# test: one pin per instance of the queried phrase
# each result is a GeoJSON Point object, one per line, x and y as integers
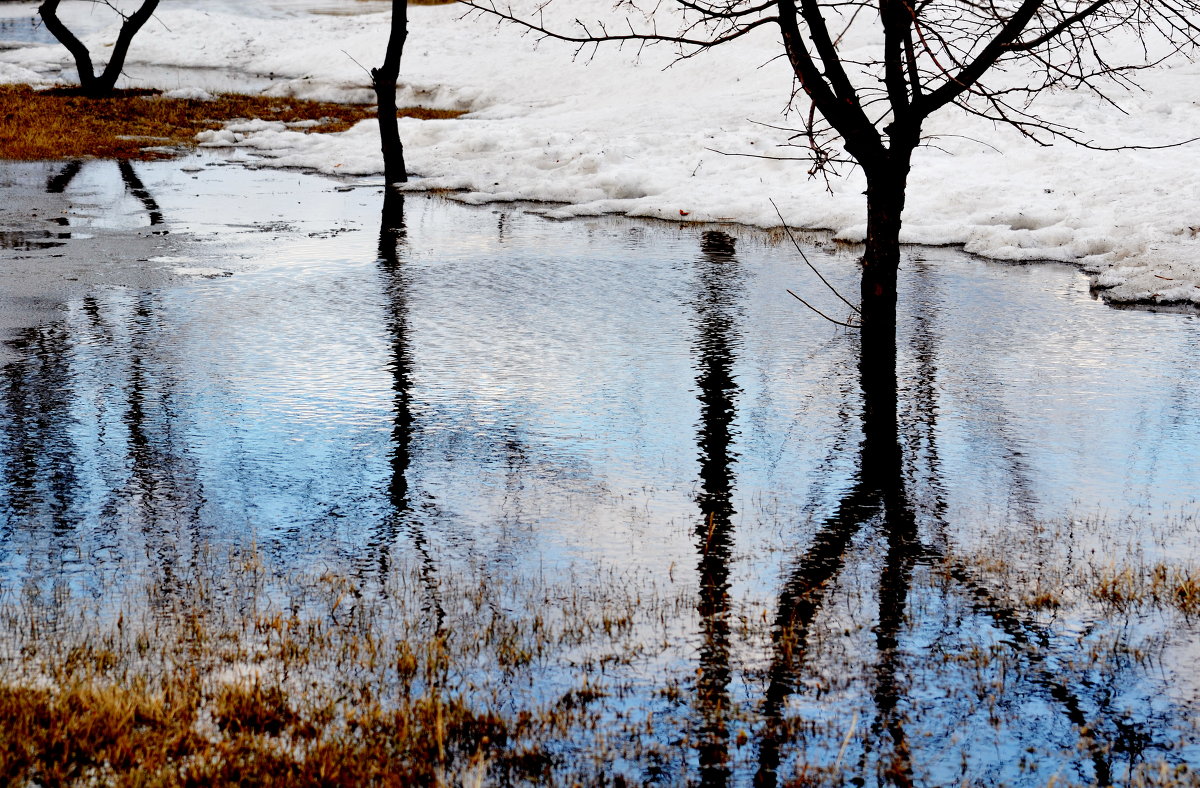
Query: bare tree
{"type": "Point", "coordinates": [90, 83]}
{"type": "Point", "coordinates": [383, 79]}
{"type": "Point", "coordinates": [926, 55]}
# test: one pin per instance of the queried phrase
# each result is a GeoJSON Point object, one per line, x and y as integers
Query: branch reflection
{"type": "Point", "coordinates": [40, 482]}
{"type": "Point", "coordinates": [881, 498]}
{"type": "Point", "coordinates": [161, 493]}
{"type": "Point", "coordinates": [58, 183]}
{"type": "Point", "coordinates": [878, 492]}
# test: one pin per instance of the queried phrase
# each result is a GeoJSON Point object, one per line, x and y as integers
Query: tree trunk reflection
{"type": "Point", "coordinates": [138, 189]}
{"type": "Point", "coordinates": [393, 236]}
{"type": "Point", "coordinates": [878, 492]}
{"type": "Point", "coordinates": [715, 346]}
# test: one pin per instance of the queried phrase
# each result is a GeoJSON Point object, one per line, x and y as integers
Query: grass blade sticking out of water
{"type": "Point", "coordinates": [321, 679]}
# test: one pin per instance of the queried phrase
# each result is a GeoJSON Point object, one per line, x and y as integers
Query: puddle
{"type": "Point", "coordinates": [26, 241]}
{"type": "Point", "coordinates": [486, 388]}
{"type": "Point", "coordinates": [22, 31]}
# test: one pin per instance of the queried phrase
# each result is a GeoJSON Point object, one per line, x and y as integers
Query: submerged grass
{"type": "Point", "coordinates": [323, 679]}
{"type": "Point", "coordinates": [1160, 585]}
{"type": "Point", "coordinates": [229, 669]}
{"type": "Point", "coordinates": [57, 124]}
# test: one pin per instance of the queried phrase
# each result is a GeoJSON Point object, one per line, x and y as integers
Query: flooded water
{"type": "Point", "coordinates": [486, 387]}
{"type": "Point", "coordinates": [18, 31]}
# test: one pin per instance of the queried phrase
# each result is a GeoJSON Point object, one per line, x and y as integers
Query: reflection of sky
{"type": "Point", "coordinates": [553, 380]}
{"type": "Point", "coordinates": [1065, 407]}
{"type": "Point", "coordinates": [553, 374]}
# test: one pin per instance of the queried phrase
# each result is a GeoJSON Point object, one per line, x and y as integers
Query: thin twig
{"type": "Point", "coordinates": [360, 65]}
{"type": "Point", "coordinates": [822, 314]}
{"type": "Point", "coordinates": [845, 741]}
{"type": "Point", "coordinates": [804, 257]}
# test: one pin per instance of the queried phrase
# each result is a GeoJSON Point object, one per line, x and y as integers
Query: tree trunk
{"type": "Point", "coordinates": [886, 185]}
{"type": "Point", "coordinates": [91, 84]}
{"type": "Point", "coordinates": [48, 11]}
{"type": "Point", "coordinates": [383, 79]}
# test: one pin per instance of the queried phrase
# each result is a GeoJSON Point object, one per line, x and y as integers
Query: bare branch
{"type": "Point", "coordinates": [587, 36]}
{"type": "Point", "coordinates": [804, 257]}
{"type": "Point", "coordinates": [822, 314]}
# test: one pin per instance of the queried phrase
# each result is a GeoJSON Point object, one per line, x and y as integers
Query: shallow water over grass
{"type": "Point", "coordinates": [626, 408]}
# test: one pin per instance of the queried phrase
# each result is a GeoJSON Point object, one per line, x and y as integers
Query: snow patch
{"type": "Point", "coordinates": [189, 94]}
{"type": "Point", "coordinates": [622, 132]}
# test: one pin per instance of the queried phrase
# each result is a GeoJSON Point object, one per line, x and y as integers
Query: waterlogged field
{"type": "Point", "coordinates": [306, 491]}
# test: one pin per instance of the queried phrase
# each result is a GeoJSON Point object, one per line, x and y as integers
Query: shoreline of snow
{"type": "Point", "coordinates": [613, 135]}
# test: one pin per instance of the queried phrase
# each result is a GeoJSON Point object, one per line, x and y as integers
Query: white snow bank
{"type": "Point", "coordinates": [189, 94]}
{"type": "Point", "coordinates": [14, 73]}
{"type": "Point", "coordinates": [619, 133]}
{"type": "Point", "coordinates": [11, 73]}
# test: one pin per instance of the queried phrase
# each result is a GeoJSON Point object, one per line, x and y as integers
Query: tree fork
{"type": "Point", "coordinates": [934, 54]}
{"type": "Point", "coordinates": [106, 82]}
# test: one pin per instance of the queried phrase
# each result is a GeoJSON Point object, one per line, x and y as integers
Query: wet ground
{"type": "Point", "coordinates": [200, 354]}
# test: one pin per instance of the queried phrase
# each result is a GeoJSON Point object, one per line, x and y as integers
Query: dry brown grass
{"type": "Point", "coordinates": [54, 124]}
{"type": "Point", "coordinates": [1159, 585]}
{"type": "Point", "coordinates": [101, 733]}
{"type": "Point", "coordinates": [341, 685]}
{"type": "Point", "coordinates": [237, 671]}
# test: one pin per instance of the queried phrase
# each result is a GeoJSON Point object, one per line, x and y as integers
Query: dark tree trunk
{"type": "Point", "coordinates": [886, 184]}
{"type": "Point", "coordinates": [89, 82]}
{"type": "Point", "coordinates": [383, 79]}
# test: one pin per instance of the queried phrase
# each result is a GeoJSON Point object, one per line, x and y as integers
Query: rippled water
{"type": "Point", "coordinates": [484, 385]}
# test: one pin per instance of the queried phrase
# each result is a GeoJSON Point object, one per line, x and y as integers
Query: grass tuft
{"type": "Point", "coordinates": [1160, 585]}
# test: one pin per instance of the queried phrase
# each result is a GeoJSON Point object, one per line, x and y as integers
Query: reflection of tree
{"type": "Point", "coordinates": [718, 275]}
{"type": "Point", "coordinates": [58, 183]}
{"type": "Point", "coordinates": [26, 240]}
{"type": "Point", "coordinates": [879, 497]}
{"type": "Point", "coordinates": [877, 492]}
{"type": "Point", "coordinates": [160, 492]}
{"type": "Point", "coordinates": [920, 411]}
{"type": "Point", "coordinates": [39, 481]}
{"type": "Point", "coordinates": [393, 235]}
{"type": "Point", "coordinates": [155, 468]}
{"type": "Point", "coordinates": [48, 472]}
{"type": "Point", "coordinates": [58, 396]}
{"type": "Point", "coordinates": [1030, 640]}
{"type": "Point", "coordinates": [138, 189]}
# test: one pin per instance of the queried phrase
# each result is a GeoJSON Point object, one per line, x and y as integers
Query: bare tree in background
{"type": "Point", "coordinates": [90, 83]}
{"type": "Point", "coordinates": [910, 59]}
{"type": "Point", "coordinates": [383, 79]}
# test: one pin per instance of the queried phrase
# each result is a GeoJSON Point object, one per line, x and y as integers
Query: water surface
{"type": "Point", "coordinates": [486, 387]}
